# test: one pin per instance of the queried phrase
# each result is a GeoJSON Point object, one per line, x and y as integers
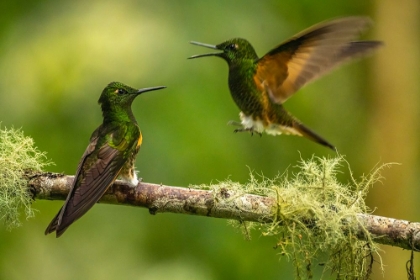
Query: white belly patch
{"type": "Point", "coordinates": [132, 180]}
{"type": "Point", "coordinates": [272, 129]}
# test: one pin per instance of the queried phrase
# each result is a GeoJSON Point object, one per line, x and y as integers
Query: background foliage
{"type": "Point", "coordinates": [57, 56]}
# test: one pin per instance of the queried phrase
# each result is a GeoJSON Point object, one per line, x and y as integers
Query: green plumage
{"type": "Point", "coordinates": [260, 86]}
{"type": "Point", "coordinates": [110, 154]}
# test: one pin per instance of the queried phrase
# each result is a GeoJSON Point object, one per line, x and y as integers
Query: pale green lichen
{"type": "Point", "coordinates": [315, 222]}
{"type": "Point", "coordinates": [17, 156]}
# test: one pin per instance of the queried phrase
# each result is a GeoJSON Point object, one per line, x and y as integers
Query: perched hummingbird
{"type": "Point", "coordinates": [260, 86]}
{"type": "Point", "coordinates": [111, 153]}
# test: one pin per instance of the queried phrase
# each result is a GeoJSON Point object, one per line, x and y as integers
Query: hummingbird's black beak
{"type": "Point", "coordinates": [140, 91]}
{"type": "Point", "coordinates": [207, 46]}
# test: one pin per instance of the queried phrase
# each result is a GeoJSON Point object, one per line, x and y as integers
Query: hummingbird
{"type": "Point", "coordinates": [260, 86]}
{"type": "Point", "coordinates": [110, 154]}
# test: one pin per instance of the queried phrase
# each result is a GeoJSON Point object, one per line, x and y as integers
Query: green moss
{"type": "Point", "coordinates": [316, 221]}
{"type": "Point", "coordinates": [17, 155]}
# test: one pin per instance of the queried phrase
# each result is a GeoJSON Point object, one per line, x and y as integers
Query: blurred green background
{"type": "Point", "coordinates": [57, 56]}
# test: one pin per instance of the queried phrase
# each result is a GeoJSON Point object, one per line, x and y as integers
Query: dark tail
{"type": "Point", "coordinates": [306, 132]}
{"type": "Point", "coordinates": [54, 226]}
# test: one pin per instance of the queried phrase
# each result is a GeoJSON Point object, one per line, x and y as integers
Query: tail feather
{"type": "Point", "coordinates": [55, 226]}
{"type": "Point", "coordinates": [306, 132]}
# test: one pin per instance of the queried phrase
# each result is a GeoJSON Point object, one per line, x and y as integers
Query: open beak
{"type": "Point", "coordinates": [207, 46]}
{"type": "Point", "coordinates": [149, 89]}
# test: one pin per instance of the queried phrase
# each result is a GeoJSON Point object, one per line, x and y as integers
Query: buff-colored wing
{"type": "Point", "coordinates": [310, 54]}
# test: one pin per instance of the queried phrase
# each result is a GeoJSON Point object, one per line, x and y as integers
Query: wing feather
{"type": "Point", "coordinates": [310, 54]}
{"type": "Point", "coordinates": [95, 173]}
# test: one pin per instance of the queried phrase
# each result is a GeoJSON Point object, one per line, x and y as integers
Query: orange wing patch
{"type": "Point", "coordinates": [311, 54]}
{"type": "Point", "coordinates": [273, 74]}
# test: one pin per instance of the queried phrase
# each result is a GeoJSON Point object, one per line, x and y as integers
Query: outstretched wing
{"type": "Point", "coordinates": [310, 54]}
{"type": "Point", "coordinates": [97, 170]}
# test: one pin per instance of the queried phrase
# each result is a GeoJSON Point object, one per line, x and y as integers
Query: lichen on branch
{"type": "Point", "coordinates": [316, 218]}
{"type": "Point", "coordinates": [17, 155]}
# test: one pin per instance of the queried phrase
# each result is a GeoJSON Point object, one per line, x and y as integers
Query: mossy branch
{"type": "Point", "coordinates": [315, 218]}
{"type": "Point", "coordinates": [221, 203]}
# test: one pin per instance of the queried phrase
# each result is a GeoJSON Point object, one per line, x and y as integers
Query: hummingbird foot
{"type": "Point", "coordinates": [248, 129]}
{"type": "Point", "coordinates": [243, 129]}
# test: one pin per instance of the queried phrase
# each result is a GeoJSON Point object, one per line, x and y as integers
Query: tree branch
{"type": "Point", "coordinates": [224, 203]}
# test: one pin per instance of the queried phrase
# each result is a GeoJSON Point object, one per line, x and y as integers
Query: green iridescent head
{"type": "Point", "coordinates": [119, 94]}
{"type": "Point", "coordinates": [233, 50]}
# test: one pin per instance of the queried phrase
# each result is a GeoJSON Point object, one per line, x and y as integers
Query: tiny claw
{"type": "Point", "coordinates": [249, 129]}
{"type": "Point", "coordinates": [253, 131]}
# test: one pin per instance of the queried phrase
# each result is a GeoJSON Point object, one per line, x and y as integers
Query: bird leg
{"type": "Point", "coordinates": [242, 129]}
{"type": "Point", "coordinates": [249, 129]}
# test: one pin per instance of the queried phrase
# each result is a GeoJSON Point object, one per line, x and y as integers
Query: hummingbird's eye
{"type": "Point", "coordinates": [121, 91]}
{"type": "Point", "coordinates": [232, 47]}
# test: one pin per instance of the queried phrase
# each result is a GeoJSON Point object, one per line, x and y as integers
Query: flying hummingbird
{"type": "Point", "coordinates": [110, 154]}
{"type": "Point", "coordinates": [260, 86]}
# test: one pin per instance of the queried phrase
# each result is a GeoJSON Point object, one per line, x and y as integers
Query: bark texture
{"type": "Point", "coordinates": [224, 203]}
